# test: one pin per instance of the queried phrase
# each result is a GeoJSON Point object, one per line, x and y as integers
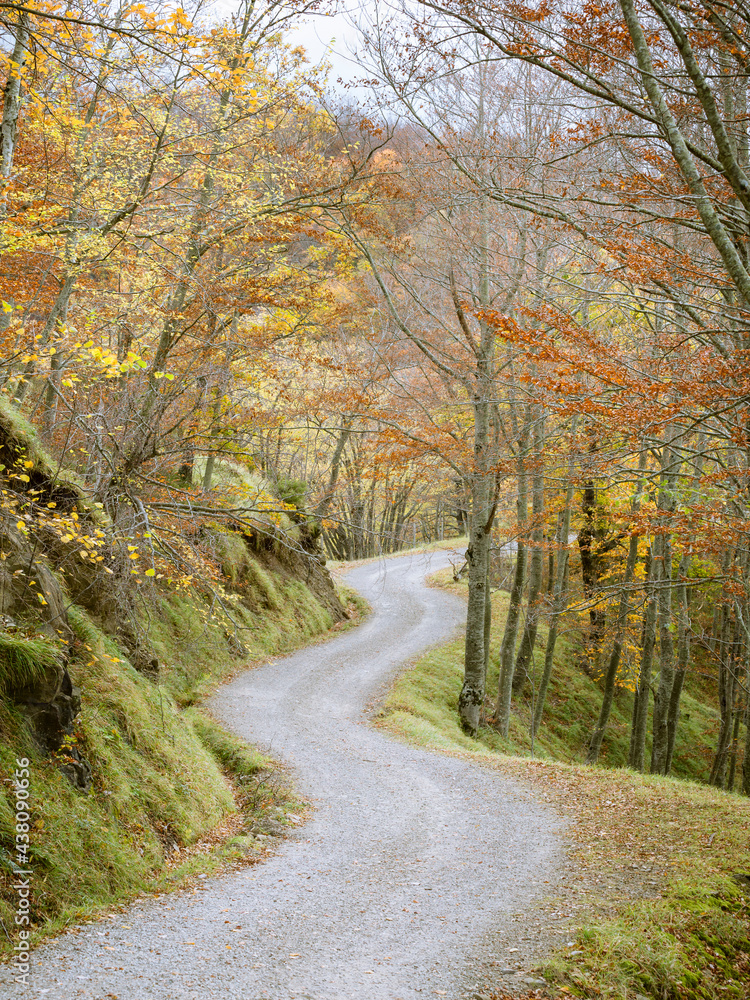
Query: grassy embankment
{"type": "Point", "coordinates": [165, 775]}
{"type": "Point", "coordinates": [686, 936]}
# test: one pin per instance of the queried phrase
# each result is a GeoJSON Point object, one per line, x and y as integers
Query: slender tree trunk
{"type": "Point", "coordinates": [508, 648]}
{"type": "Point", "coordinates": [12, 107]}
{"type": "Point", "coordinates": [559, 593]}
{"type": "Point", "coordinates": [610, 677]}
{"type": "Point", "coordinates": [487, 614]}
{"type": "Point", "coordinates": [472, 692]}
{"type": "Point", "coordinates": [683, 656]}
{"type": "Point", "coordinates": [590, 540]}
{"type": "Point", "coordinates": [551, 571]}
{"type": "Point", "coordinates": [660, 746]}
{"type": "Point", "coordinates": [536, 563]}
{"type": "Point", "coordinates": [558, 605]}
{"type": "Point", "coordinates": [479, 611]}
{"type": "Point", "coordinates": [208, 472]}
{"type": "Point", "coordinates": [737, 713]}
{"type": "Point", "coordinates": [745, 784]}
{"type": "Point", "coordinates": [641, 702]}
{"type": "Point", "coordinates": [746, 755]}
{"type": "Point", "coordinates": [726, 696]}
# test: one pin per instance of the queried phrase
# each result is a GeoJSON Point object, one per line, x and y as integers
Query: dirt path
{"type": "Point", "coordinates": [411, 867]}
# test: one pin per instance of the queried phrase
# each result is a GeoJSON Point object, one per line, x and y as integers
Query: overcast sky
{"type": "Point", "coordinates": [322, 35]}
{"type": "Point", "coordinates": [330, 36]}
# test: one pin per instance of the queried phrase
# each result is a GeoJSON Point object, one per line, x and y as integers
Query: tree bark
{"type": "Point", "coordinates": [559, 593]}
{"type": "Point", "coordinates": [536, 563]}
{"type": "Point", "coordinates": [613, 664]}
{"type": "Point", "coordinates": [472, 692]}
{"type": "Point", "coordinates": [746, 756]}
{"type": "Point", "coordinates": [734, 747]}
{"type": "Point", "coordinates": [637, 753]}
{"type": "Point", "coordinates": [487, 616]}
{"type": "Point", "coordinates": [558, 604]}
{"type": "Point", "coordinates": [508, 648]}
{"type": "Point", "coordinates": [11, 108]}
{"type": "Point", "coordinates": [660, 734]}
{"type": "Point", "coordinates": [683, 656]}
{"type": "Point", "coordinates": [727, 678]}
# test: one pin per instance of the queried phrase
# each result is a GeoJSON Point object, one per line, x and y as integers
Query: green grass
{"type": "Point", "coordinates": [24, 661]}
{"type": "Point", "coordinates": [690, 943]}
{"type": "Point", "coordinates": [430, 691]}
{"type": "Point", "coordinates": [155, 785]}
{"type": "Point", "coordinates": [200, 641]}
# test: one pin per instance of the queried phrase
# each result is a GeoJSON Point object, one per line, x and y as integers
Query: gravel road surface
{"type": "Point", "coordinates": [406, 877]}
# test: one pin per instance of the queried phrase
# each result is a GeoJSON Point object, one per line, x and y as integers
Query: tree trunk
{"type": "Point", "coordinates": [683, 656]}
{"type": "Point", "coordinates": [558, 604]}
{"type": "Point", "coordinates": [508, 648]}
{"type": "Point", "coordinates": [487, 615]}
{"type": "Point", "coordinates": [536, 563]}
{"type": "Point", "coordinates": [610, 677]}
{"type": "Point", "coordinates": [734, 747]}
{"type": "Point", "coordinates": [589, 539]}
{"type": "Point", "coordinates": [746, 756]}
{"type": "Point", "coordinates": [718, 767]}
{"type": "Point", "coordinates": [477, 556]}
{"type": "Point", "coordinates": [727, 679]}
{"type": "Point", "coordinates": [637, 753]}
{"type": "Point", "coordinates": [472, 692]}
{"type": "Point", "coordinates": [11, 108]}
{"type": "Point", "coordinates": [208, 472]}
{"type": "Point", "coordinates": [559, 593]}
{"type": "Point", "coordinates": [666, 504]}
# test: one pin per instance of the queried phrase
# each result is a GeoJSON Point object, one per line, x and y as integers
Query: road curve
{"type": "Point", "coordinates": [411, 862]}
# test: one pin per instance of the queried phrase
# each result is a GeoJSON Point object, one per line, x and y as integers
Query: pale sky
{"type": "Point", "coordinates": [329, 36]}
{"type": "Point", "coordinates": [321, 35]}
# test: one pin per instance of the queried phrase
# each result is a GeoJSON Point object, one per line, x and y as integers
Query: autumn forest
{"type": "Point", "coordinates": [498, 287]}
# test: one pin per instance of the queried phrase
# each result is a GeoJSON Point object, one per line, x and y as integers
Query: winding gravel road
{"type": "Point", "coordinates": [411, 866]}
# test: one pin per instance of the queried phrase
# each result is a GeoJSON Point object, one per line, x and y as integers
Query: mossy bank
{"type": "Point", "coordinates": [102, 668]}
{"type": "Point", "coordinates": [161, 774]}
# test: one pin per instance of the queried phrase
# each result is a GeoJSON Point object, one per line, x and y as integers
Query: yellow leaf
{"type": "Point", "coordinates": [150, 572]}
